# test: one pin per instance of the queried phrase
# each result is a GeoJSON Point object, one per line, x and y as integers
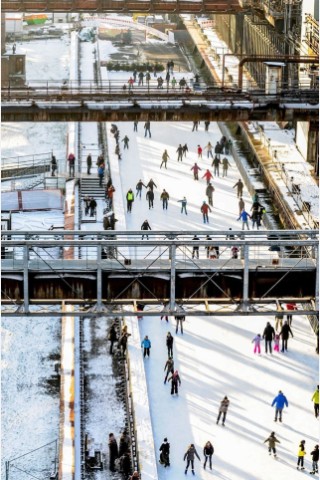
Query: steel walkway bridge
{"type": "Point", "coordinates": [126, 6]}
{"type": "Point", "coordinates": [99, 272]}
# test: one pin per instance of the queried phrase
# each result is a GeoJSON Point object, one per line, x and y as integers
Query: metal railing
{"type": "Point", "coordinates": [25, 165]}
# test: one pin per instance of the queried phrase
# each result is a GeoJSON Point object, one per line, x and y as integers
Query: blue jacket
{"type": "Point", "coordinates": [280, 401]}
{"type": "Point", "coordinates": [244, 216]}
{"type": "Point", "coordinates": [146, 343]}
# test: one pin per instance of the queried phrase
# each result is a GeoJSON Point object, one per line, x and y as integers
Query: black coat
{"type": "Point", "coordinates": [112, 334]}
{"type": "Point", "coordinates": [169, 340]}
{"type": "Point", "coordinates": [165, 448]}
{"type": "Point", "coordinates": [285, 331]}
{"type": "Point", "coordinates": [269, 333]}
{"type": "Point", "coordinates": [208, 450]}
{"type": "Point", "coordinates": [315, 455]}
{"type": "Point", "coordinates": [113, 448]}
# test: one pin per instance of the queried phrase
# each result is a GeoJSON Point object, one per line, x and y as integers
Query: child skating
{"type": "Point", "coordinates": [272, 440]}
{"type": "Point", "coordinates": [257, 341]}
{"type": "Point", "coordinates": [301, 454]}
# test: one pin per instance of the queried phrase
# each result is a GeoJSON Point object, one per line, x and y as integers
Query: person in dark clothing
{"type": "Point", "coordinates": [195, 126]}
{"type": "Point", "coordinates": [139, 186]}
{"type": "Point", "coordinates": [206, 125]}
{"type": "Point", "coordinates": [239, 186]}
{"type": "Point", "coordinates": [180, 153]}
{"type": "Point", "coordinates": [185, 149]}
{"type": "Point", "coordinates": [113, 451]}
{"type": "Point", "coordinates": [315, 460]}
{"type": "Point", "coordinates": [165, 452]}
{"type": "Point", "coordinates": [112, 337]}
{"type": "Point", "coordinates": [208, 451]}
{"type": "Point", "coordinates": [125, 465]}
{"type": "Point", "coordinates": [268, 335]}
{"type": "Point", "coordinates": [175, 380]}
{"type": "Point", "coordinates": [135, 126]}
{"type": "Point", "coordinates": [130, 200]}
{"type": "Point", "coordinates": [224, 405]}
{"type": "Point", "coordinates": [272, 440]}
{"type": "Point", "coordinates": [164, 197]}
{"type": "Point", "coordinates": [179, 320]}
{"type": "Point", "coordinates": [150, 198]}
{"type": "Point", "coordinates": [169, 366]}
{"type": "Point", "coordinates": [195, 249]}
{"type": "Point", "coordinates": [196, 170]}
{"type": "Point", "coordinates": [189, 455]}
{"type": "Point", "coordinates": [147, 129]}
{"type": "Point", "coordinates": [125, 141]}
{"type": "Point", "coordinates": [124, 443]}
{"type": "Point", "coordinates": [301, 454]}
{"type": "Point", "coordinates": [165, 158]}
{"type": "Point", "coordinates": [209, 192]}
{"type": "Point", "coordinates": [54, 165]}
{"type": "Point", "coordinates": [71, 160]}
{"type": "Point", "coordinates": [123, 342]}
{"type": "Point", "coordinates": [216, 164]}
{"type": "Point", "coordinates": [169, 343]}
{"type": "Point", "coordinates": [89, 164]}
{"type": "Point", "coordinates": [217, 148]}
{"type": "Point", "coordinates": [284, 334]}
{"type": "Point", "coordinates": [151, 184]}
{"type": "Point", "coordinates": [145, 226]}
{"type": "Point", "coordinates": [92, 206]}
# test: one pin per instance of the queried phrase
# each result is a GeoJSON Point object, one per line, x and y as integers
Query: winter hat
{"type": "Point", "coordinates": [165, 439]}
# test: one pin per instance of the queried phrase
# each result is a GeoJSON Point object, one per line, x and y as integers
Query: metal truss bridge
{"type": "Point", "coordinates": [101, 272]}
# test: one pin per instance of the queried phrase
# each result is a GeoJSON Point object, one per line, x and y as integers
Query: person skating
{"type": "Point", "coordinates": [284, 334]}
{"type": "Point", "coordinates": [71, 161]}
{"type": "Point", "coordinates": [195, 170]}
{"type": "Point", "coordinates": [206, 125]}
{"type": "Point", "coordinates": [209, 149]}
{"type": "Point", "coordinates": [113, 451]}
{"type": "Point", "coordinates": [291, 307]}
{"type": "Point", "coordinates": [92, 206]}
{"type": "Point", "coordinates": [209, 191]}
{"type": "Point", "coordinates": [223, 409]}
{"type": "Point", "coordinates": [272, 440]}
{"type": "Point", "coordinates": [124, 443]}
{"type": "Point", "coordinates": [112, 337]}
{"type": "Point", "coordinates": [208, 176]}
{"type": "Point", "coordinates": [165, 452]}
{"type": "Point", "coordinates": [195, 126]}
{"type": "Point", "coordinates": [54, 165]}
{"type": "Point", "coordinates": [301, 454]}
{"type": "Point", "coordinates": [141, 77]}
{"type": "Point", "coordinates": [195, 248]}
{"type": "Point", "coordinates": [169, 366]}
{"type": "Point", "coordinates": [165, 158]}
{"type": "Point", "coordinates": [145, 226]}
{"type": "Point", "coordinates": [135, 126]}
{"type": "Point", "coordinates": [204, 210]}
{"type": "Point", "coordinates": [179, 321]}
{"type": "Point", "coordinates": [150, 198]}
{"type": "Point", "coordinates": [239, 186]}
{"type": "Point", "coordinates": [199, 151]}
{"type": "Point", "coordinates": [169, 343]}
{"type": "Point", "coordinates": [183, 205]}
{"type": "Point", "coordinates": [279, 401]}
{"type": "Point", "coordinates": [175, 381]}
{"type": "Point", "coordinates": [110, 191]}
{"type": "Point", "coordinates": [146, 344]}
{"type": "Point", "coordinates": [217, 148]}
{"type": "Point", "coordinates": [185, 149]}
{"type": "Point", "coordinates": [241, 205]}
{"type": "Point", "coordinates": [148, 78]}
{"type": "Point", "coordinates": [268, 335]}
{"type": "Point", "coordinates": [278, 317]}
{"type": "Point", "coordinates": [225, 165]}
{"type": "Point", "coordinates": [208, 451]}
{"type": "Point", "coordinates": [180, 153]}
{"type": "Point", "coordinates": [257, 341]}
{"type": "Point", "coordinates": [164, 197]}
{"type": "Point", "coordinates": [189, 456]}
{"type": "Point", "coordinates": [256, 219]}
{"type": "Point", "coordinates": [147, 129]}
{"type": "Point", "coordinates": [216, 165]}
{"type": "Point", "coordinates": [139, 186]}
{"type": "Point", "coordinates": [151, 184]}
{"type": "Point", "coordinates": [315, 459]}
{"type": "Point", "coordinates": [125, 141]}
{"type": "Point", "coordinates": [315, 399]}
{"type": "Point", "coordinates": [130, 200]}
{"type": "Point", "coordinates": [244, 216]}
{"type": "Point", "coordinates": [276, 344]}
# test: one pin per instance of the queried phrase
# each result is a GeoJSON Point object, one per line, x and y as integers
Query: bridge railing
{"type": "Point", "coordinates": [24, 164]}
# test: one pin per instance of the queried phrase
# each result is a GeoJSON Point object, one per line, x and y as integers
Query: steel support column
{"type": "Point", "coordinates": [317, 279]}
{"type": "Point", "coordinates": [173, 277]}
{"type": "Point", "coordinates": [99, 278]}
{"type": "Point", "coordinates": [245, 292]}
{"type": "Point", "coordinates": [26, 278]}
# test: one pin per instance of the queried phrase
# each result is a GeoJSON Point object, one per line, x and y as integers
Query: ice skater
{"type": "Point", "coordinates": [189, 456]}
{"type": "Point", "coordinates": [272, 440]}
{"type": "Point", "coordinates": [223, 409]}
{"type": "Point", "coordinates": [301, 454]}
{"type": "Point", "coordinates": [279, 401]}
{"type": "Point", "coordinates": [208, 451]}
{"type": "Point", "coordinates": [146, 345]}
{"type": "Point", "coordinates": [165, 452]}
{"type": "Point", "coordinates": [175, 380]}
{"type": "Point", "coordinates": [257, 341]}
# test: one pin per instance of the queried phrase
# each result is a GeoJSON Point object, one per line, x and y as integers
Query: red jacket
{"type": "Point", "coordinates": [199, 150]}
{"type": "Point", "coordinates": [207, 175]}
{"type": "Point", "coordinates": [205, 208]}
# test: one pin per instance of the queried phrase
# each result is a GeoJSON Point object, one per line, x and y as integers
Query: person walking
{"type": "Point", "coordinates": [239, 186]}
{"type": "Point", "coordinates": [256, 219]}
{"type": "Point", "coordinates": [315, 399]}
{"type": "Point", "coordinates": [209, 192]}
{"type": "Point", "coordinates": [208, 451]}
{"type": "Point", "coordinates": [268, 335]}
{"type": "Point", "coordinates": [135, 126]}
{"type": "Point", "coordinates": [151, 184]}
{"type": "Point", "coordinates": [169, 343]}
{"type": "Point", "coordinates": [195, 248]}
{"type": "Point", "coordinates": [195, 170]}
{"type": "Point", "coordinates": [216, 165]}
{"type": "Point", "coordinates": [180, 153]}
{"type": "Point", "coordinates": [276, 344]}
{"type": "Point", "coordinates": [185, 149]}
{"type": "Point", "coordinates": [125, 465]}
{"type": "Point", "coordinates": [145, 226]}
{"type": "Point", "coordinates": [315, 459]}
{"type": "Point", "coordinates": [278, 317]}
{"type": "Point", "coordinates": [279, 401]}
{"type": "Point", "coordinates": [223, 409]}
{"type": "Point", "coordinates": [169, 367]}
{"type": "Point", "coordinates": [164, 197]}
{"type": "Point", "coordinates": [92, 206]}
{"type": "Point", "coordinates": [71, 161]}
{"type": "Point", "coordinates": [183, 205]}
{"type": "Point", "coordinates": [195, 126]}
{"type": "Point", "coordinates": [284, 334]}
{"type": "Point", "coordinates": [130, 83]}
{"type": "Point", "coordinates": [301, 454]}
{"type": "Point", "coordinates": [125, 141]}
{"type": "Point", "coordinates": [241, 205]}
{"type": "Point", "coordinates": [204, 210]}
{"type": "Point", "coordinates": [175, 381]}
{"type": "Point", "coordinates": [54, 165]}
{"type": "Point", "coordinates": [89, 164]}
{"type": "Point", "coordinates": [217, 148]}
{"type": "Point", "coordinates": [113, 452]}
{"type": "Point", "coordinates": [123, 342]}
{"type": "Point", "coordinates": [208, 176]}
{"type": "Point", "coordinates": [244, 216]}
{"type": "Point", "coordinates": [141, 77]}
{"type": "Point", "coordinates": [147, 129]}
{"type": "Point", "coordinates": [199, 151]}
{"type": "Point", "coordinates": [150, 198]}
{"type": "Point", "coordinates": [130, 200]}
{"type": "Point", "coordinates": [101, 169]}
{"type": "Point", "coordinates": [165, 452]}
{"type": "Point", "coordinates": [272, 440]}
{"type": "Point", "coordinates": [139, 186]}
{"type": "Point", "coordinates": [112, 337]}
{"type": "Point", "coordinates": [165, 158]}
{"type": "Point", "coordinates": [209, 149]}
{"type": "Point", "coordinates": [146, 344]}
{"type": "Point", "coordinates": [225, 165]}
{"type": "Point", "coordinates": [257, 341]}
{"type": "Point", "coordinates": [189, 456]}
{"type": "Point", "coordinates": [110, 192]}
{"type": "Point", "coordinates": [179, 321]}
{"type": "Point", "coordinates": [206, 125]}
